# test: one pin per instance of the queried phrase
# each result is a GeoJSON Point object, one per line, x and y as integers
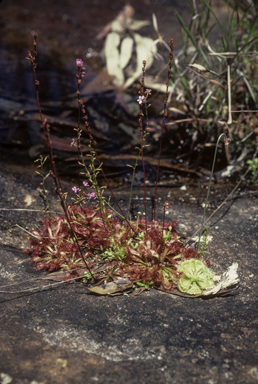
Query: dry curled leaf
{"type": "Point", "coordinates": [126, 51]}
{"type": "Point", "coordinates": [113, 58]}
{"type": "Point", "coordinates": [134, 25]}
{"type": "Point", "coordinates": [145, 50]}
{"type": "Point", "coordinates": [199, 67]}
{"type": "Point", "coordinates": [155, 23]}
{"type": "Point", "coordinates": [112, 287]}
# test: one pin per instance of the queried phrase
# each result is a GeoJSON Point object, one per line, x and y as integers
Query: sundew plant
{"type": "Point", "coordinates": [93, 240]}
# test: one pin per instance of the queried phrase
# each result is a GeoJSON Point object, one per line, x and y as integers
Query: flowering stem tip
{"type": "Point", "coordinates": [79, 63]}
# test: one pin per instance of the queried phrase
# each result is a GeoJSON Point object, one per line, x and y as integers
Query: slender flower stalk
{"type": "Point", "coordinates": [140, 101]}
{"type": "Point", "coordinates": [59, 189]}
{"type": "Point", "coordinates": [42, 161]}
{"type": "Point", "coordinates": [165, 207]}
{"type": "Point", "coordinates": [171, 44]}
{"type": "Point", "coordinates": [80, 75]}
{"type": "Point", "coordinates": [93, 149]}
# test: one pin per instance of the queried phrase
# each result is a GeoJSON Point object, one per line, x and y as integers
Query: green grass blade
{"type": "Point", "coordinates": [191, 37]}
{"type": "Point", "coordinates": [222, 29]}
{"type": "Point", "coordinates": [189, 34]}
{"type": "Point", "coordinates": [206, 18]}
{"type": "Point", "coordinates": [253, 29]}
{"type": "Point", "coordinates": [245, 45]}
{"type": "Point", "coordinates": [184, 83]}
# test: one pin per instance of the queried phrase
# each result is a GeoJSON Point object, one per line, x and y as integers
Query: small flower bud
{"type": "Point", "coordinates": [79, 63]}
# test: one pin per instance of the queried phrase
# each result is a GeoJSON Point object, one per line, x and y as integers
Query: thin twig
{"type": "Point", "coordinates": [227, 198]}
{"type": "Point", "coordinates": [44, 286]}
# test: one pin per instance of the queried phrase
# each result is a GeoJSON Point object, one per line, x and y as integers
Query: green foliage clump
{"type": "Point", "coordinates": [196, 277]}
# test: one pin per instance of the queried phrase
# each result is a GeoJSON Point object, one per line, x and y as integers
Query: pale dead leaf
{"type": "Point", "coordinates": [155, 23]}
{"type": "Point", "coordinates": [145, 49]}
{"type": "Point", "coordinates": [176, 110]}
{"type": "Point", "coordinates": [116, 26]}
{"type": "Point", "coordinates": [228, 279]}
{"type": "Point", "coordinates": [150, 83]}
{"type": "Point", "coordinates": [134, 25]}
{"type": "Point", "coordinates": [198, 66]}
{"type": "Point", "coordinates": [126, 51]}
{"type": "Point", "coordinates": [113, 58]}
{"type": "Point", "coordinates": [28, 200]}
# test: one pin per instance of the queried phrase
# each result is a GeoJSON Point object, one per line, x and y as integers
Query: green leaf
{"type": "Point", "coordinates": [196, 277]}
{"type": "Point", "coordinates": [191, 37]}
{"type": "Point", "coordinates": [184, 83]}
{"type": "Point", "coordinates": [222, 29]}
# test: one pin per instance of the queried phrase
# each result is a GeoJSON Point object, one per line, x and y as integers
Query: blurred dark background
{"type": "Point", "coordinates": [67, 30]}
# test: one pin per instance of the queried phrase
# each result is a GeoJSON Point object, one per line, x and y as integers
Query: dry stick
{"type": "Point", "coordinates": [43, 278]}
{"type": "Point", "coordinates": [229, 60]}
{"type": "Point", "coordinates": [44, 286]}
{"type": "Point", "coordinates": [21, 209]}
{"type": "Point", "coordinates": [140, 127]}
{"type": "Point", "coordinates": [171, 44]}
{"type": "Point", "coordinates": [58, 189]}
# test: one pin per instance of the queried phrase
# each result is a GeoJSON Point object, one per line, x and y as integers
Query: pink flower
{"type": "Point", "coordinates": [148, 91]}
{"type": "Point", "coordinates": [85, 183]}
{"type": "Point", "coordinates": [92, 194]}
{"type": "Point", "coordinates": [75, 189]}
{"type": "Point", "coordinates": [79, 63]}
{"type": "Point", "coordinates": [140, 99]}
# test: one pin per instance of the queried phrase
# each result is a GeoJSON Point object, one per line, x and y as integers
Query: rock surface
{"type": "Point", "coordinates": [64, 335]}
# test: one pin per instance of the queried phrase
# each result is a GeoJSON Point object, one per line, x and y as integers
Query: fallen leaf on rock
{"type": "Point", "coordinates": [228, 279]}
{"type": "Point", "coordinates": [112, 287]}
{"type": "Point", "coordinates": [227, 286]}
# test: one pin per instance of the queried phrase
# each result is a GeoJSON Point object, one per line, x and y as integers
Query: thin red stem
{"type": "Point", "coordinates": [171, 44]}
{"type": "Point", "coordinates": [93, 145]}
{"type": "Point", "coordinates": [141, 130]}
{"type": "Point", "coordinates": [59, 189]}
